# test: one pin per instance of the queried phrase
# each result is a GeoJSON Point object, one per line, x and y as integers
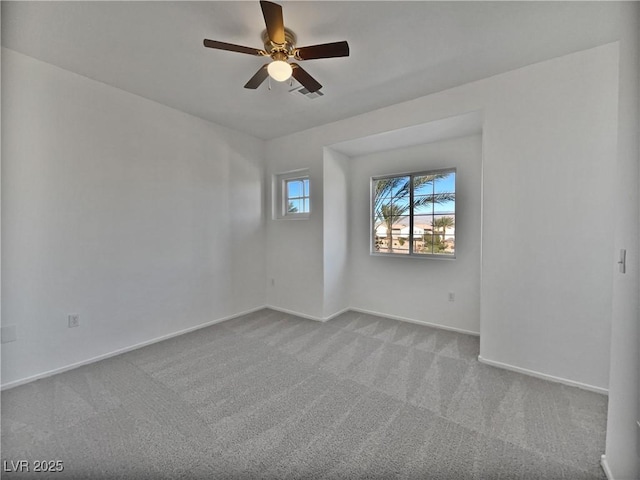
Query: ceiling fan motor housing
{"type": "Point", "coordinates": [275, 50]}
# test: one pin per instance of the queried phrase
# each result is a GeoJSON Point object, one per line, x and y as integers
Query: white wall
{"type": "Point", "coordinates": [623, 434]}
{"type": "Point", "coordinates": [143, 220]}
{"type": "Point", "coordinates": [336, 232]}
{"type": "Point", "coordinates": [549, 164]}
{"type": "Point", "coordinates": [294, 255]}
{"type": "Point", "coordinates": [549, 141]}
{"type": "Point", "coordinates": [417, 289]}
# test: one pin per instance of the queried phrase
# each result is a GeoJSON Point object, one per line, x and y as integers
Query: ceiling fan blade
{"type": "Point", "coordinates": [305, 79]}
{"type": "Point", "coordinates": [272, 13]}
{"type": "Point", "coordinates": [232, 48]}
{"type": "Point", "coordinates": [258, 78]}
{"type": "Point", "coordinates": [325, 50]}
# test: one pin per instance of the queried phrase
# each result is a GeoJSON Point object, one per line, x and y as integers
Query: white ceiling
{"type": "Point", "coordinates": [399, 50]}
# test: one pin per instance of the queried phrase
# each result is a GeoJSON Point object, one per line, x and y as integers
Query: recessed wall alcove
{"type": "Point", "coordinates": [411, 289]}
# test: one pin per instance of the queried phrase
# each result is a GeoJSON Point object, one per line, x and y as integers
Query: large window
{"type": "Point", "coordinates": [414, 214]}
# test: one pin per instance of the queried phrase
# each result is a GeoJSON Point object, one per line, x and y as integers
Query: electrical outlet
{"type": "Point", "coordinates": [452, 296]}
{"type": "Point", "coordinates": [74, 320]}
{"type": "Point", "coordinates": [273, 282]}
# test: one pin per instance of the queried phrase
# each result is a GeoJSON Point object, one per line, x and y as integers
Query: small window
{"type": "Point", "coordinates": [414, 214]}
{"type": "Point", "coordinates": [296, 196]}
{"type": "Point", "coordinates": [292, 195]}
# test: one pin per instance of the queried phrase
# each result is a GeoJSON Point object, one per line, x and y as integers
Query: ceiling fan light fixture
{"type": "Point", "coordinates": [280, 45]}
{"type": "Point", "coordinates": [280, 70]}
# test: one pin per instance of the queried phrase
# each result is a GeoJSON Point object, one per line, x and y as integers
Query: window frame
{"type": "Point", "coordinates": [286, 198]}
{"type": "Point", "coordinates": [410, 215]}
{"type": "Point", "coordinates": [281, 195]}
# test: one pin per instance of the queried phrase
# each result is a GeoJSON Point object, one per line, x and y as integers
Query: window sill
{"type": "Point", "coordinates": [406, 255]}
{"type": "Point", "coordinates": [295, 216]}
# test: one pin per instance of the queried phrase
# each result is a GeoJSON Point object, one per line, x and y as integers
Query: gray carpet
{"type": "Point", "coordinates": [270, 395]}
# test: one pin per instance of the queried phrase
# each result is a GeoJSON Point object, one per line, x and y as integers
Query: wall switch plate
{"type": "Point", "coordinates": [452, 296]}
{"type": "Point", "coordinates": [622, 263]}
{"type": "Point", "coordinates": [8, 334]}
{"type": "Point", "coordinates": [74, 320]}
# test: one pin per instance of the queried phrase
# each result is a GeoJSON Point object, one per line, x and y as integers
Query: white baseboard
{"type": "Point", "coordinates": [104, 356]}
{"type": "Point", "coordinates": [605, 467]}
{"type": "Point", "coordinates": [412, 320]}
{"type": "Point", "coordinates": [337, 314]}
{"type": "Point", "coordinates": [297, 314]}
{"type": "Point", "coordinates": [372, 312]}
{"type": "Point", "coordinates": [543, 376]}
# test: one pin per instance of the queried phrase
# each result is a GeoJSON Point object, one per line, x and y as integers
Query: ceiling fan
{"type": "Point", "coordinates": [280, 46]}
